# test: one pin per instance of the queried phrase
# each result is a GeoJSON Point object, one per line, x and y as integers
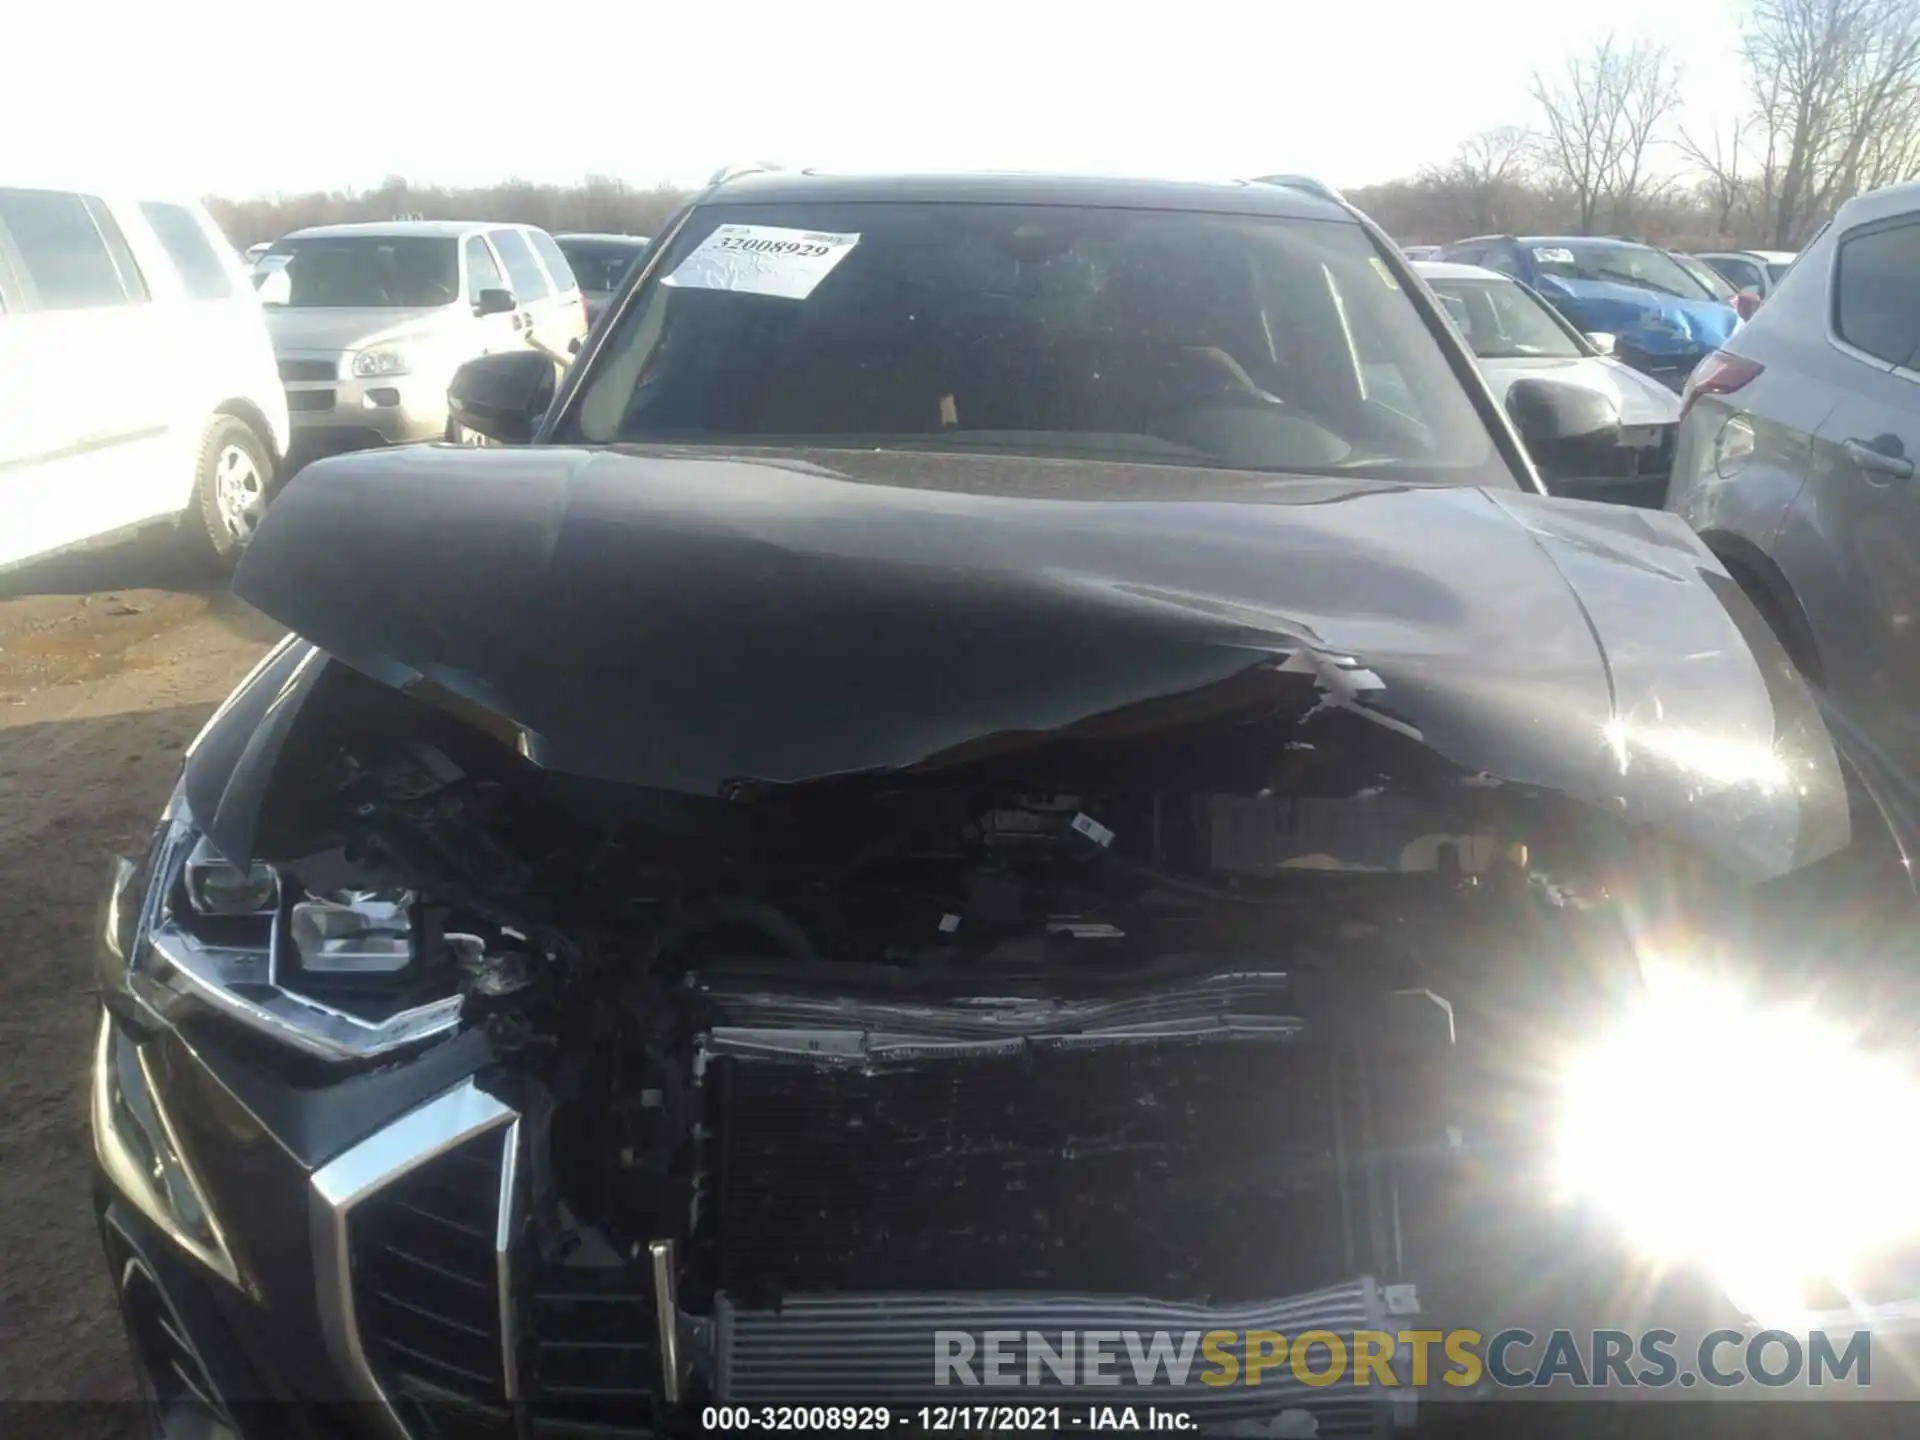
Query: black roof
{"type": "Point", "coordinates": [1235, 197]}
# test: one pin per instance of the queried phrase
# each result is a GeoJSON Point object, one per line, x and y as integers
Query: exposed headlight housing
{"type": "Point", "coordinates": [341, 977]}
{"type": "Point", "coordinates": [378, 364]}
{"type": "Point", "coordinates": [1746, 1138]}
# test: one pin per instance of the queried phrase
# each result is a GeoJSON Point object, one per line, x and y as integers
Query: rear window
{"type": "Point", "coordinates": [601, 264]}
{"type": "Point", "coordinates": [528, 280]}
{"type": "Point", "coordinates": [1876, 303]}
{"type": "Point", "coordinates": [555, 260]}
{"type": "Point", "coordinates": [1143, 336]}
{"type": "Point", "coordinates": [1711, 280]}
{"type": "Point", "coordinates": [193, 255]}
{"type": "Point", "coordinates": [71, 249]}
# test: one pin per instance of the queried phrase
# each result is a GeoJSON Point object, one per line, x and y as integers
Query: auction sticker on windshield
{"type": "Point", "coordinates": [762, 260]}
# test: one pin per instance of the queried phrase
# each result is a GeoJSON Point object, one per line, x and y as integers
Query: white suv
{"type": "Point", "coordinates": [371, 320]}
{"type": "Point", "coordinates": [136, 377]}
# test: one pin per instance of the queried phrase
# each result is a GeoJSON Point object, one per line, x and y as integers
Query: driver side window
{"type": "Point", "coordinates": [483, 271]}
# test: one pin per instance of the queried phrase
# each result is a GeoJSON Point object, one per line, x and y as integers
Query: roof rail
{"type": "Point", "coordinates": [734, 172]}
{"type": "Point", "coordinates": [1303, 182]}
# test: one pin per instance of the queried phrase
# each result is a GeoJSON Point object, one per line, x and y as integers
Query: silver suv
{"type": "Point", "coordinates": [370, 321]}
{"type": "Point", "coordinates": [1796, 463]}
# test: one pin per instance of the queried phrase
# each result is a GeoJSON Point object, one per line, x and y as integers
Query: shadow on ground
{"type": "Point", "coordinates": [152, 559]}
{"type": "Point", "coordinates": [72, 794]}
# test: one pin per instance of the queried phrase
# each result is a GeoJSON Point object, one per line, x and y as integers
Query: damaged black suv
{"type": "Point", "coordinates": [996, 755]}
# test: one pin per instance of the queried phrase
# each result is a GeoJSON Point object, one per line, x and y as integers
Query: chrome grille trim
{"type": "Point", "coordinates": [452, 1118]}
{"type": "Point", "coordinates": [503, 1237]}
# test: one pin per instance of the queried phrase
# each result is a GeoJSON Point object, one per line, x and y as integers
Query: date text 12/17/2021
{"type": "Point", "coordinates": [943, 1419]}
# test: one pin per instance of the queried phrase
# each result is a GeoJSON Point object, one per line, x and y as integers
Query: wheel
{"type": "Point", "coordinates": [458, 434]}
{"type": "Point", "coordinates": [229, 493]}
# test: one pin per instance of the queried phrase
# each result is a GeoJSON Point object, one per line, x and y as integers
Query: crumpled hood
{"type": "Point", "coordinates": [1644, 320]}
{"type": "Point", "coordinates": [692, 622]}
{"type": "Point", "coordinates": [1642, 400]}
{"type": "Point", "coordinates": [306, 328]}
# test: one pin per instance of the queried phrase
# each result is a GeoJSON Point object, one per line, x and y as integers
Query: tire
{"type": "Point", "coordinates": [233, 479]}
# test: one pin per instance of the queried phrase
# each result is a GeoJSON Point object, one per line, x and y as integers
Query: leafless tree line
{"type": "Point", "coordinates": [1832, 109]}
{"type": "Point", "coordinates": [598, 204]}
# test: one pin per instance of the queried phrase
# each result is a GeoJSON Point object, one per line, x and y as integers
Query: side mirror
{"type": "Point", "coordinates": [503, 397]}
{"type": "Point", "coordinates": [573, 346]}
{"type": "Point", "coordinates": [1572, 432]}
{"type": "Point", "coordinates": [494, 302]}
{"type": "Point", "coordinates": [1601, 341]}
{"type": "Point", "coordinates": [1745, 303]}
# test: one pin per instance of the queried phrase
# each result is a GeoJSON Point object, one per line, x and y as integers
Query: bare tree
{"type": "Point", "coordinates": [1720, 159]}
{"type": "Point", "coordinates": [1601, 119]}
{"type": "Point", "coordinates": [1480, 187]}
{"type": "Point", "coordinates": [1836, 85]}
{"type": "Point", "coordinates": [598, 204]}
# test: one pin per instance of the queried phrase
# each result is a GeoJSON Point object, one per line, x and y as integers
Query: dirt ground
{"type": "Point", "coordinates": [109, 663]}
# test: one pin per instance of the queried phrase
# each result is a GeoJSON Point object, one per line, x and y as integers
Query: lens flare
{"type": "Point", "coordinates": [1756, 1140]}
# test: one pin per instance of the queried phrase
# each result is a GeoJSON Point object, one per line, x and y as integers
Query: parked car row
{"type": "Point", "coordinates": [1663, 318]}
{"type": "Point", "coordinates": [153, 370]}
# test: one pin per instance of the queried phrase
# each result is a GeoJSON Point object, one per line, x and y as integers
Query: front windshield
{"type": "Point", "coordinates": [1635, 265]}
{"type": "Point", "coordinates": [362, 272]}
{"type": "Point", "coordinates": [1148, 336]}
{"type": "Point", "coordinates": [601, 265]}
{"type": "Point", "coordinates": [1502, 321]}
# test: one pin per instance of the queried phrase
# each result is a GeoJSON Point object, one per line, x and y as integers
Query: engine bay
{"type": "Point", "coordinates": [918, 1038]}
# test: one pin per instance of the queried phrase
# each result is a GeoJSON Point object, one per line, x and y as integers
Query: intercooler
{"type": "Point", "coordinates": [881, 1349]}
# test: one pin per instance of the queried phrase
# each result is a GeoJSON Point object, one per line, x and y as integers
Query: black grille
{"type": "Point", "coordinates": [426, 1282]}
{"type": "Point", "coordinates": [594, 1364]}
{"type": "Point", "coordinates": [309, 369]}
{"type": "Point", "coordinates": [1173, 1168]}
{"type": "Point", "coordinates": [309, 400]}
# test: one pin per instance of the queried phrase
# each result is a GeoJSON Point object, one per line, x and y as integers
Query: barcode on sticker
{"type": "Point", "coordinates": [1093, 830]}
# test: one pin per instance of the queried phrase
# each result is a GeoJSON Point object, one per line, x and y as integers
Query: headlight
{"type": "Point", "coordinates": [374, 364]}
{"type": "Point", "coordinates": [1753, 1140]}
{"type": "Point", "coordinates": [341, 976]}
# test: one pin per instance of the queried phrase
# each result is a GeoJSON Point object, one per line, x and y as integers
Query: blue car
{"type": "Point", "coordinates": [1663, 319]}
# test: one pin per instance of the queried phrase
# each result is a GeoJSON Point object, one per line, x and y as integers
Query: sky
{"type": "Point", "coordinates": [217, 97]}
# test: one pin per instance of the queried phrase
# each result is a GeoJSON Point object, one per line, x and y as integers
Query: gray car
{"type": "Point", "coordinates": [370, 321]}
{"type": "Point", "coordinates": [1515, 335]}
{"type": "Point", "coordinates": [1796, 462]}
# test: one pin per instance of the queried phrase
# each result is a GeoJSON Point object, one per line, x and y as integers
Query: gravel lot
{"type": "Point", "coordinates": [109, 663]}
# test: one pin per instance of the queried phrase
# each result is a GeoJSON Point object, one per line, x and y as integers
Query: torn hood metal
{"type": "Point", "coordinates": [696, 621]}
